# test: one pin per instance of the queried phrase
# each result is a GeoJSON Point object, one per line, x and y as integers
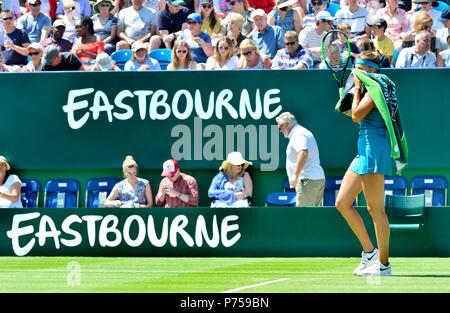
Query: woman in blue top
{"type": "Point", "coordinates": [232, 186]}
{"type": "Point", "coordinates": [366, 173]}
{"type": "Point", "coordinates": [285, 16]}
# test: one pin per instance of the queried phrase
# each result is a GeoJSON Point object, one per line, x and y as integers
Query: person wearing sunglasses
{"type": "Point", "coordinates": [251, 57]}
{"type": "Point", "coordinates": [427, 6]}
{"type": "Point", "coordinates": [285, 16]}
{"type": "Point", "coordinates": [132, 192]}
{"type": "Point", "coordinates": [397, 21]}
{"type": "Point", "coordinates": [15, 41]}
{"type": "Point", "coordinates": [58, 30]}
{"type": "Point", "coordinates": [293, 56]}
{"type": "Point", "coordinates": [105, 25]}
{"type": "Point", "coordinates": [232, 186]}
{"type": "Point", "coordinates": [182, 58]}
{"type": "Point", "coordinates": [35, 55]}
{"type": "Point", "coordinates": [317, 6]}
{"type": "Point", "coordinates": [423, 21]}
{"type": "Point", "coordinates": [418, 56]}
{"type": "Point", "coordinates": [223, 57]}
{"type": "Point", "coordinates": [36, 24]}
{"type": "Point", "coordinates": [210, 20]}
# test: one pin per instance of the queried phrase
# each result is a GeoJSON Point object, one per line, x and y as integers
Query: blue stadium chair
{"type": "Point", "coordinates": [163, 56]}
{"type": "Point", "coordinates": [97, 190]}
{"type": "Point", "coordinates": [61, 193]}
{"type": "Point", "coordinates": [121, 57]}
{"type": "Point", "coordinates": [332, 185]}
{"type": "Point", "coordinates": [440, 6]}
{"type": "Point", "coordinates": [433, 187]}
{"type": "Point", "coordinates": [29, 193]}
{"type": "Point", "coordinates": [281, 199]}
{"type": "Point", "coordinates": [333, 8]}
{"type": "Point", "coordinates": [395, 185]}
{"type": "Point", "coordinates": [286, 186]}
{"type": "Point", "coordinates": [394, 57]}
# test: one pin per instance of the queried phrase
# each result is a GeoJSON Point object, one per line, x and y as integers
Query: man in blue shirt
{"type": "Point", "coordinates": [268, 39]}
{"type": "Point", "coordinates": [36, 24]}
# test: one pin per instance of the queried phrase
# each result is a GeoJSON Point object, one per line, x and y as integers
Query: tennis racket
{"type": "Point", "coordinates": [336, 54]}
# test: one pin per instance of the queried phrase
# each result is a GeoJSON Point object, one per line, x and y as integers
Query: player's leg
{"type": "Point", "coordinates": [351, 186]}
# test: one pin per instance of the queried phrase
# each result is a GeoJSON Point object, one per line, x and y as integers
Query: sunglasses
{"type": "Point", "coordinates": [224, 48]}
{"type": "Point", "coordinates": [35, 5]}
{"type": "Point", "coordinates": [207, 6]}
{"type": "Point", "coordinates": [247, 53]}
{"type": "Point", "coordinates": [181, 51]}
{"type": "Point", "coordinates": [234, 2]}
{"type": "Point", "coordinates": [105, 5]}
{"type": "Point", "coordinates": [316, 3]}
{"type": "Point", "coordinates": [70, 9]}
{"type": "Point", "coordinates": [8, 18]}
{"type": "Point", "coordinates": [131, 174]}
{"type": "Point", "coordinates": [191, 22]}
{"type": "Point", "coordinates": [33, 53]}
{"type": "Point", "coordinates": [290, 43]}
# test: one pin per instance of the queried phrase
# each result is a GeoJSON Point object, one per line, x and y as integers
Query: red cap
{"type": "Point", "coordinates": [169, 168]}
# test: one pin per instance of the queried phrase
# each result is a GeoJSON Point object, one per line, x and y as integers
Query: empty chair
{"type": "Point", "coordinates": [163, 56]}
{"type": "Point", "coordinates": [121, 57]}
{"type": "Point", "coordinates": [395, 185]}
{"type": "Point", "coordinates": [97, 190]}
{"type": "Point", "coordinates": [29, 193]}
{"type": "Point", "coordinates": [331, 190]}
{"type": "Point", "coordinates": [405, 212]}
{"type": "Point", "coordinates": [440, 6]}
{"type": "Point", "coordinates": [281, 199]}
{"type": "Point", "coordinates": [286, 186]}
{"type": "Point", "coordinates": [433, 187]}
{"type": "Point", "coordinates": [61, 193]}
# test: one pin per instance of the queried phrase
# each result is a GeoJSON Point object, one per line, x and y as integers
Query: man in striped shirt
{"type": "Point", "coordinates": [176, 190]}
{"type": "Point", "coordinates": [293, 56]}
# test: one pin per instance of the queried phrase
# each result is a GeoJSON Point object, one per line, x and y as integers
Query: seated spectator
{"type": "Point", "coordinates": [176, 189]}
{"type": "Point", "coordinates": [35, 55]}
{"type": "Point", "coordinates": [293, 56]}
{"type": "Point", "coordinates": [182, 58]}
{"type": "Point", "coordinates": [10, 186]}
{"type": "Point", "coordinates": [171, 21]}
{"type": "Point", "coordinates": [86, 45]}
{"type": "Point", "coordinates": [367, 45]}
{"type": "Point", "coordinates": [233, 24]}
{"type": "Point", "coordinates": [268, 39]}
{"type": "Point", "coordinates": [442, 34]}
{"type": "Point", "coordinates": [382, 43]}
{"type": "Point", "coordinates": [105, 24]}
{"type": "Point", "coordinates": [133, 192]}
{"type": "Point", "coordinates": [48, 7]}
{"type": "Point", "coordinates": [356, 16]}
{"type": "Point", "coordinates": [232, 186]}
{"type": "Point", "coordinates": [53, 60]}
{"type": "Point", "coordinates": [426, 6]}
{"type": "Point", "coordinates": [223, 57]}
{"type": "Point", "coordinates": [418, 56]}
{"type": "Point", "coordinates": [444, 56]}
{"type": "Point", "coordinates": [103, 62]}
{"type": "Point", "coordinates": [251, 58]}
{"type": "Point", "coordinates": [135, 23]}
{"type": "Point", "coordinates": [82, 8]}
{"type": "Point", "coordinates": [266, 5]}
{"type": "Point", "coordinates": [285, 16]}
{"type": "Point", "coordinates": [397, 21]}
{"type": "Point", "coordinates": [36, 24]}
{"type": "Point", "coordinates": [334, 58]}
{"type": "Point", "coordinates": [15, 41]}
{"type": "Point", "coordinates": [140, 61]}
{"type": "Point", "coordinates": [423, 21]}
{"type": "Point", "coordinates": [69, 20]}
{"type": "Point", "coordinates": [346, 29]}
{"type": "Point", "coordinates": [310, 18]}
{"type": "Point", "coordinates": [210, 21]}
{"type": "Point", "coordinates": [154, 5]}
{"type": "Point", "coordinates": [311, 37]}
{"type": "Point", "coordinates": [198, 41]}
{"type": "Point", "coordinates": [241, 7]}
{"type": "Point", "coordinates": [57, 39]}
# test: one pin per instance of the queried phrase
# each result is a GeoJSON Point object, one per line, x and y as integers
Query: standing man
{"type": "Point", "coordinates": [302, 161]}
{"type": "Point", "coordinates": [36, 24]}
{"type": "Point", "coordinates": [176, 190]}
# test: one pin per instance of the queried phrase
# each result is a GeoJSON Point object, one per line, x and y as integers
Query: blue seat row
{"type": "Point", "coordinates": [64, 193]}
{"type": "Point", "coordinates": [433, 187]}
{"type": "Point", "coordinates": [163, 56]}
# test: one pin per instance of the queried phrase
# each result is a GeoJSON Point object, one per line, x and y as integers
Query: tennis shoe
{"type": "Point", "coordinates": [376, 269]}
{"type": "Point", "coordinates": [368, 258]}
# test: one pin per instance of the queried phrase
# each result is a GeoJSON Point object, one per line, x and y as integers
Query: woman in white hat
{"type": "Point", "coordinates": [232, 186]}
{"type": "Point", "coordinates": [10, 186]}
{"type": "Point", "coordinates": [140, 61]}
{"type": "Point", "coordinates": [285, 16]}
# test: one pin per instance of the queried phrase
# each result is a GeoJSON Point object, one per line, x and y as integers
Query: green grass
{"type": "Point", "coordinates": [214, 275]}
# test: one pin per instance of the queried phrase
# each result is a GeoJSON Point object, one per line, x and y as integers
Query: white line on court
{"type": "Point", "coordinates": [256, 285]}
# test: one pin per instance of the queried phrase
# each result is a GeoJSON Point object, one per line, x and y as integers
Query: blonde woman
{"type": "Point", "coordinates": [182, 58]}
{"type": "Point", "coordinates": [423, 21]}
{"type": "Point", "coordinates": [252, 58]}
{"type": "Point", "coordinates": [133, 192]}
{"type": "Point", "coordinates": [223, 57]}
{"type": "Point", "coordinates": [234, 23]}
{"type": "Point", "coordinates": [232, 186]}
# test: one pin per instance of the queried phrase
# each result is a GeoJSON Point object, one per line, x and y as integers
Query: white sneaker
{"type": "Point", "coordinates": [368, 258]}
{"type": "Point", "coordinates": [376, 269]}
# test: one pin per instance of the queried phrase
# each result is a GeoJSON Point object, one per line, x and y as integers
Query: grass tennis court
{"type": "Point", "coordinates": [215, 275]}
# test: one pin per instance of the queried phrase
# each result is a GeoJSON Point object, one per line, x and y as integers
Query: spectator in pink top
{"type": "Point", "coordinates": [397, 22]}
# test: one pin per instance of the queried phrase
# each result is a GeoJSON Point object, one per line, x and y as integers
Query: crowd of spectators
{"type": "Point", "coordinates": [49, 35]}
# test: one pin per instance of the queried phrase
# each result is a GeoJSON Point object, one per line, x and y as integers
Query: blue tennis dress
{"type": "Point", "coordinates": [374, 150]}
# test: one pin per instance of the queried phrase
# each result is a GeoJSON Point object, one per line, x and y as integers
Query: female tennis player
{"type": "Point", "coordinates": [366, 172]}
